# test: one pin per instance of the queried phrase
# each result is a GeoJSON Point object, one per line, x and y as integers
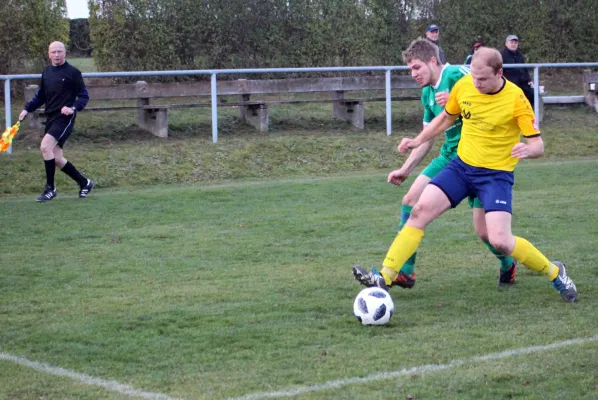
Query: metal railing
{"type": "Point", "coordinates": [214, 82]}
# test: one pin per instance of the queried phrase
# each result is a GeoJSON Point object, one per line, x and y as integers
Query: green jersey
{"type": "Point", "coordinates": [449, 75]}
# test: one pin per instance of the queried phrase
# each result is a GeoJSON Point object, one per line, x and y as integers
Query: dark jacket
{"type": "Point", "coordinates": [59, 87]}
{"type": "Point", "coordinates": [440, 52]}
{"type": "Point", "coordinates": [519, 76]}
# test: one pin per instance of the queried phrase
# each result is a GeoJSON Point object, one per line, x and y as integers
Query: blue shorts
{"type": "Point", "coordinates": [494, 188]}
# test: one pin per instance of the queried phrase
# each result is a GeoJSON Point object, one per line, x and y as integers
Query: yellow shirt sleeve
{"type": "Point", "coordinates": [452, 105]}
{"type": "Point", "coordinates": [524, 114]}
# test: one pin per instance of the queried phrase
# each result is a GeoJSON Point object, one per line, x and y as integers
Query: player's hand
{"type": "Point", "coordinates": [520, 150]}
{"type": "Point", "coordinates": [531, 84]}
{"type": "Point", "coordinates": [67, 110]}
{"type": "Point", "coordinates": [441, 98]}
{"type": "Point", "coordinates": [397, 176]}
{"type": "Point", "coordinates": [407, 144]}
{"type": "Point", "coordinates": [23, 115]}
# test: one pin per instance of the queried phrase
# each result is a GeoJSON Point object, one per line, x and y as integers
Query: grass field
{"type": "Point", "coordinates": [223, 271]}
{"type": "Point", "coordinates": [244, 290]}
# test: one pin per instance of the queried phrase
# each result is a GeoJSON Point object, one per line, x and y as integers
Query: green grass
{"type": "Point", "coordinates": [208, 271]}
{"type": "Point", "coordinates": [84, 64]}
{"type": "Point", "coordinates": [210, 292]}
{"type": "Point", "coordinates": [304, 141]}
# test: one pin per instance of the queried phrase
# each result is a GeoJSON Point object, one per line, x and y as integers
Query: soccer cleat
{"type": "Point", "coordinates": [48, 194]}
{"type": "Point", "coordinates": [403, 280]}
{"type": "Point", "coordinates": [507, 277]}
{"type": "Point", "coordinates": [86, 189]}
{"type": "Point", "coordinates": [369, 278]}
{"type": "Point", "coordinates": [563, 284]}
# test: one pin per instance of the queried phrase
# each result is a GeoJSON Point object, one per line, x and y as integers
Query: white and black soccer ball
{"type": "Point", "coordinates": [373, 306]}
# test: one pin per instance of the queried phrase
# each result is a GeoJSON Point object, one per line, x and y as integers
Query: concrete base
{"type": "Point", "coordinates": [352, 111]}
{"type": "Point", "coordinates": [257, 116]}
{"type": "Point", "coordinates": [152, 119]}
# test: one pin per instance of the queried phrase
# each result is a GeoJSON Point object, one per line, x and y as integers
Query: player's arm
{"type": "Point", "coordinates": [36, 102]}
{"type": "Point", "coordinates": [532, 148]}
{"type": "Point", "coordinates": [418, 154]}
{"type": "Point", "coordinates": [399, 176]}
{"type": "Point", "coordinates": [82, 94]}
{"type": "Point", "coordinates": [534, 145]}
{"type": "Point", "coordinates": [438, 125]}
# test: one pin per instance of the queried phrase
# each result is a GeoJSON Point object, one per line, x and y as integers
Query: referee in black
{"type": "Point", "coordinates": [63, 92]}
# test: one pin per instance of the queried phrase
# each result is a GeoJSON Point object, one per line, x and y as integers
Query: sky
{"type": "Point", "coordinates": [77, 9]}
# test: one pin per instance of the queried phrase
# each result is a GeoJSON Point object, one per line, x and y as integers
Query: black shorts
{"type": "Point", "coordinates": [60, 127]}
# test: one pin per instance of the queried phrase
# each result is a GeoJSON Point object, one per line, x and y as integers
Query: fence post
{"type": "Point", "coordinates": [214, 109]}
{"type": "Point", "coordinates": [8, 121]}
{"type": "Point", "coordinates": [388, 104]}
{"type": "Point", "coordinates": [537, 98]}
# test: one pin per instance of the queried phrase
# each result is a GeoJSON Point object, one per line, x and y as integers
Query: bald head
{"type": "Point", "coordinates": [489, 57]}
{"type": "Point", "coordinates": [486, 70]}
{"type": "Point", "coordinates": [57, 53]}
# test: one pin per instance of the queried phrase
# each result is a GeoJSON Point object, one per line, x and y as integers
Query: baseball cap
{"type": "Point", "coordinates": [431, 28]}
{"type": "Point", "coordinates": [512, 37]}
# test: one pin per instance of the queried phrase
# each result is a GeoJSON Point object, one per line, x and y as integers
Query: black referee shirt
{"type": "Point", "coordinates": [60, 86]}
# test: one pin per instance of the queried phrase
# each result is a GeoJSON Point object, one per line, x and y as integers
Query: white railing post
{"type": "Point", "coordinates": [7, 113]}
{"type": "Point", "coordinates": [388, 105]}
{"type": "Point", "coordinates": [537, 95]}
{"type": "Point", "coordinates": [214, 109]}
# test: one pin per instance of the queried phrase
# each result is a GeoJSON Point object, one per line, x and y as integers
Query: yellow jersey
{"type": "Point", "coordinates": [492, 123]}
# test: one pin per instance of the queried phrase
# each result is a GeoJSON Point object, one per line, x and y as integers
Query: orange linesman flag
{"type": "Point", "coordinates": [7, 136]}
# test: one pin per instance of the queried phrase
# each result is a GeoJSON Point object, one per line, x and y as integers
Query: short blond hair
{"type": "Point", "coordinates": [489, 57]}
{"type": "Point", "coordinates": [421, 49]}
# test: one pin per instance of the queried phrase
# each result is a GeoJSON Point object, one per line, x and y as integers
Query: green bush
{"type": "Point", "coordinates": [27, 27]}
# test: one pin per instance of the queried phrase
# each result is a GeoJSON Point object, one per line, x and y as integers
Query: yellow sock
{"type": "Point", "coordinates": [404, 245]}
{"type": "Point", "coordinates": [528, 255]}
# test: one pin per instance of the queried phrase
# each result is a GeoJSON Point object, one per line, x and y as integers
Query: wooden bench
{"type": "Point", "coordinates": [590, 85]}
{"type": "Point", "coordinates": [154, 117]}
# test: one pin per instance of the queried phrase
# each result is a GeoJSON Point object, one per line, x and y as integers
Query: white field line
{"type": "Point", "coordinates": [111, 386]}
{"type": "Point", "coordinates": [130, 391]}
{"type": "Point", "coordinates": [271, 182]}
{"type": "Point", "coordinates": [422, 369]}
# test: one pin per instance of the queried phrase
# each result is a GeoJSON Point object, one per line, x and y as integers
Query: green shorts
{"type": "Point", "coordinates": [436, 165]}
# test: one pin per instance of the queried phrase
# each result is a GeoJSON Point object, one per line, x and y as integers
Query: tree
{"type": "Point", "coordinates": [27, 27]}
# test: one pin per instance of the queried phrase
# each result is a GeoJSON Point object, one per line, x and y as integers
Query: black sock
{"type": "Point", "coordinates": [75, 175]}
{"type": "Point", "coordinates": [50, 170]}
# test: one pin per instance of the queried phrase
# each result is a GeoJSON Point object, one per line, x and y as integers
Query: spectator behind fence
{"type": "Point", "coordinates": [432, 34]}
{"type": "Point", "coordinates": [474, 47]}
{"type": "Point", "coordinates": [519, 76]}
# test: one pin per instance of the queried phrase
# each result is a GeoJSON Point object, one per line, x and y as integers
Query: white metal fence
{"type": "Point", "coordinates": [215, 73]}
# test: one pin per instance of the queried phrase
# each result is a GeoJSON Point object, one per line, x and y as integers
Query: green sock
{"type": "Point", "coordinates": [409, 267]}
{"type": "Point", "coordinates": [505, 260]}
{"type": "Point", "coordinates": [405, 213]}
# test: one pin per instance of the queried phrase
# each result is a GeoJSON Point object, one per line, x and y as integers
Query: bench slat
{"type": "Point", "coordinates": [141, 90]}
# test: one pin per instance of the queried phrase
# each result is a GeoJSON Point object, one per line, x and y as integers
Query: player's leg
{"type": "Point", "coordinates": [432, 203]}
{"type": "Point", "coordinates": [446, 190]}
{"type": "Point", "coordinates": [47, 149]}
{"type": "Point", "coordinates": [496, 195]}
{"type": "Point", "coordinates": [406, 277]}
{"type": "Point", "coordinates": [508, 265]}
{"type": "Point", "coordinates": [66, 128]}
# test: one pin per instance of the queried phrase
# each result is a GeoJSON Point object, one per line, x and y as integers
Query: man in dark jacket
{"type": "Point", "coordinates": [63, 92]}
{"type": "Point", "coordinates": [519, 76]}
{"type": "Point", "coordinates": [432, 34]}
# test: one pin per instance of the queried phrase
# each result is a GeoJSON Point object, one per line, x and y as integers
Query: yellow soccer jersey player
{"type": "Point", "coordinates": [492, 123]}
{"type": "Point", "coordinates": [494, 113]}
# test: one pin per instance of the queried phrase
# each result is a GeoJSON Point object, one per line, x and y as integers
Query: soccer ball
{"type": "Point", "coordinates": [373, 306]}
